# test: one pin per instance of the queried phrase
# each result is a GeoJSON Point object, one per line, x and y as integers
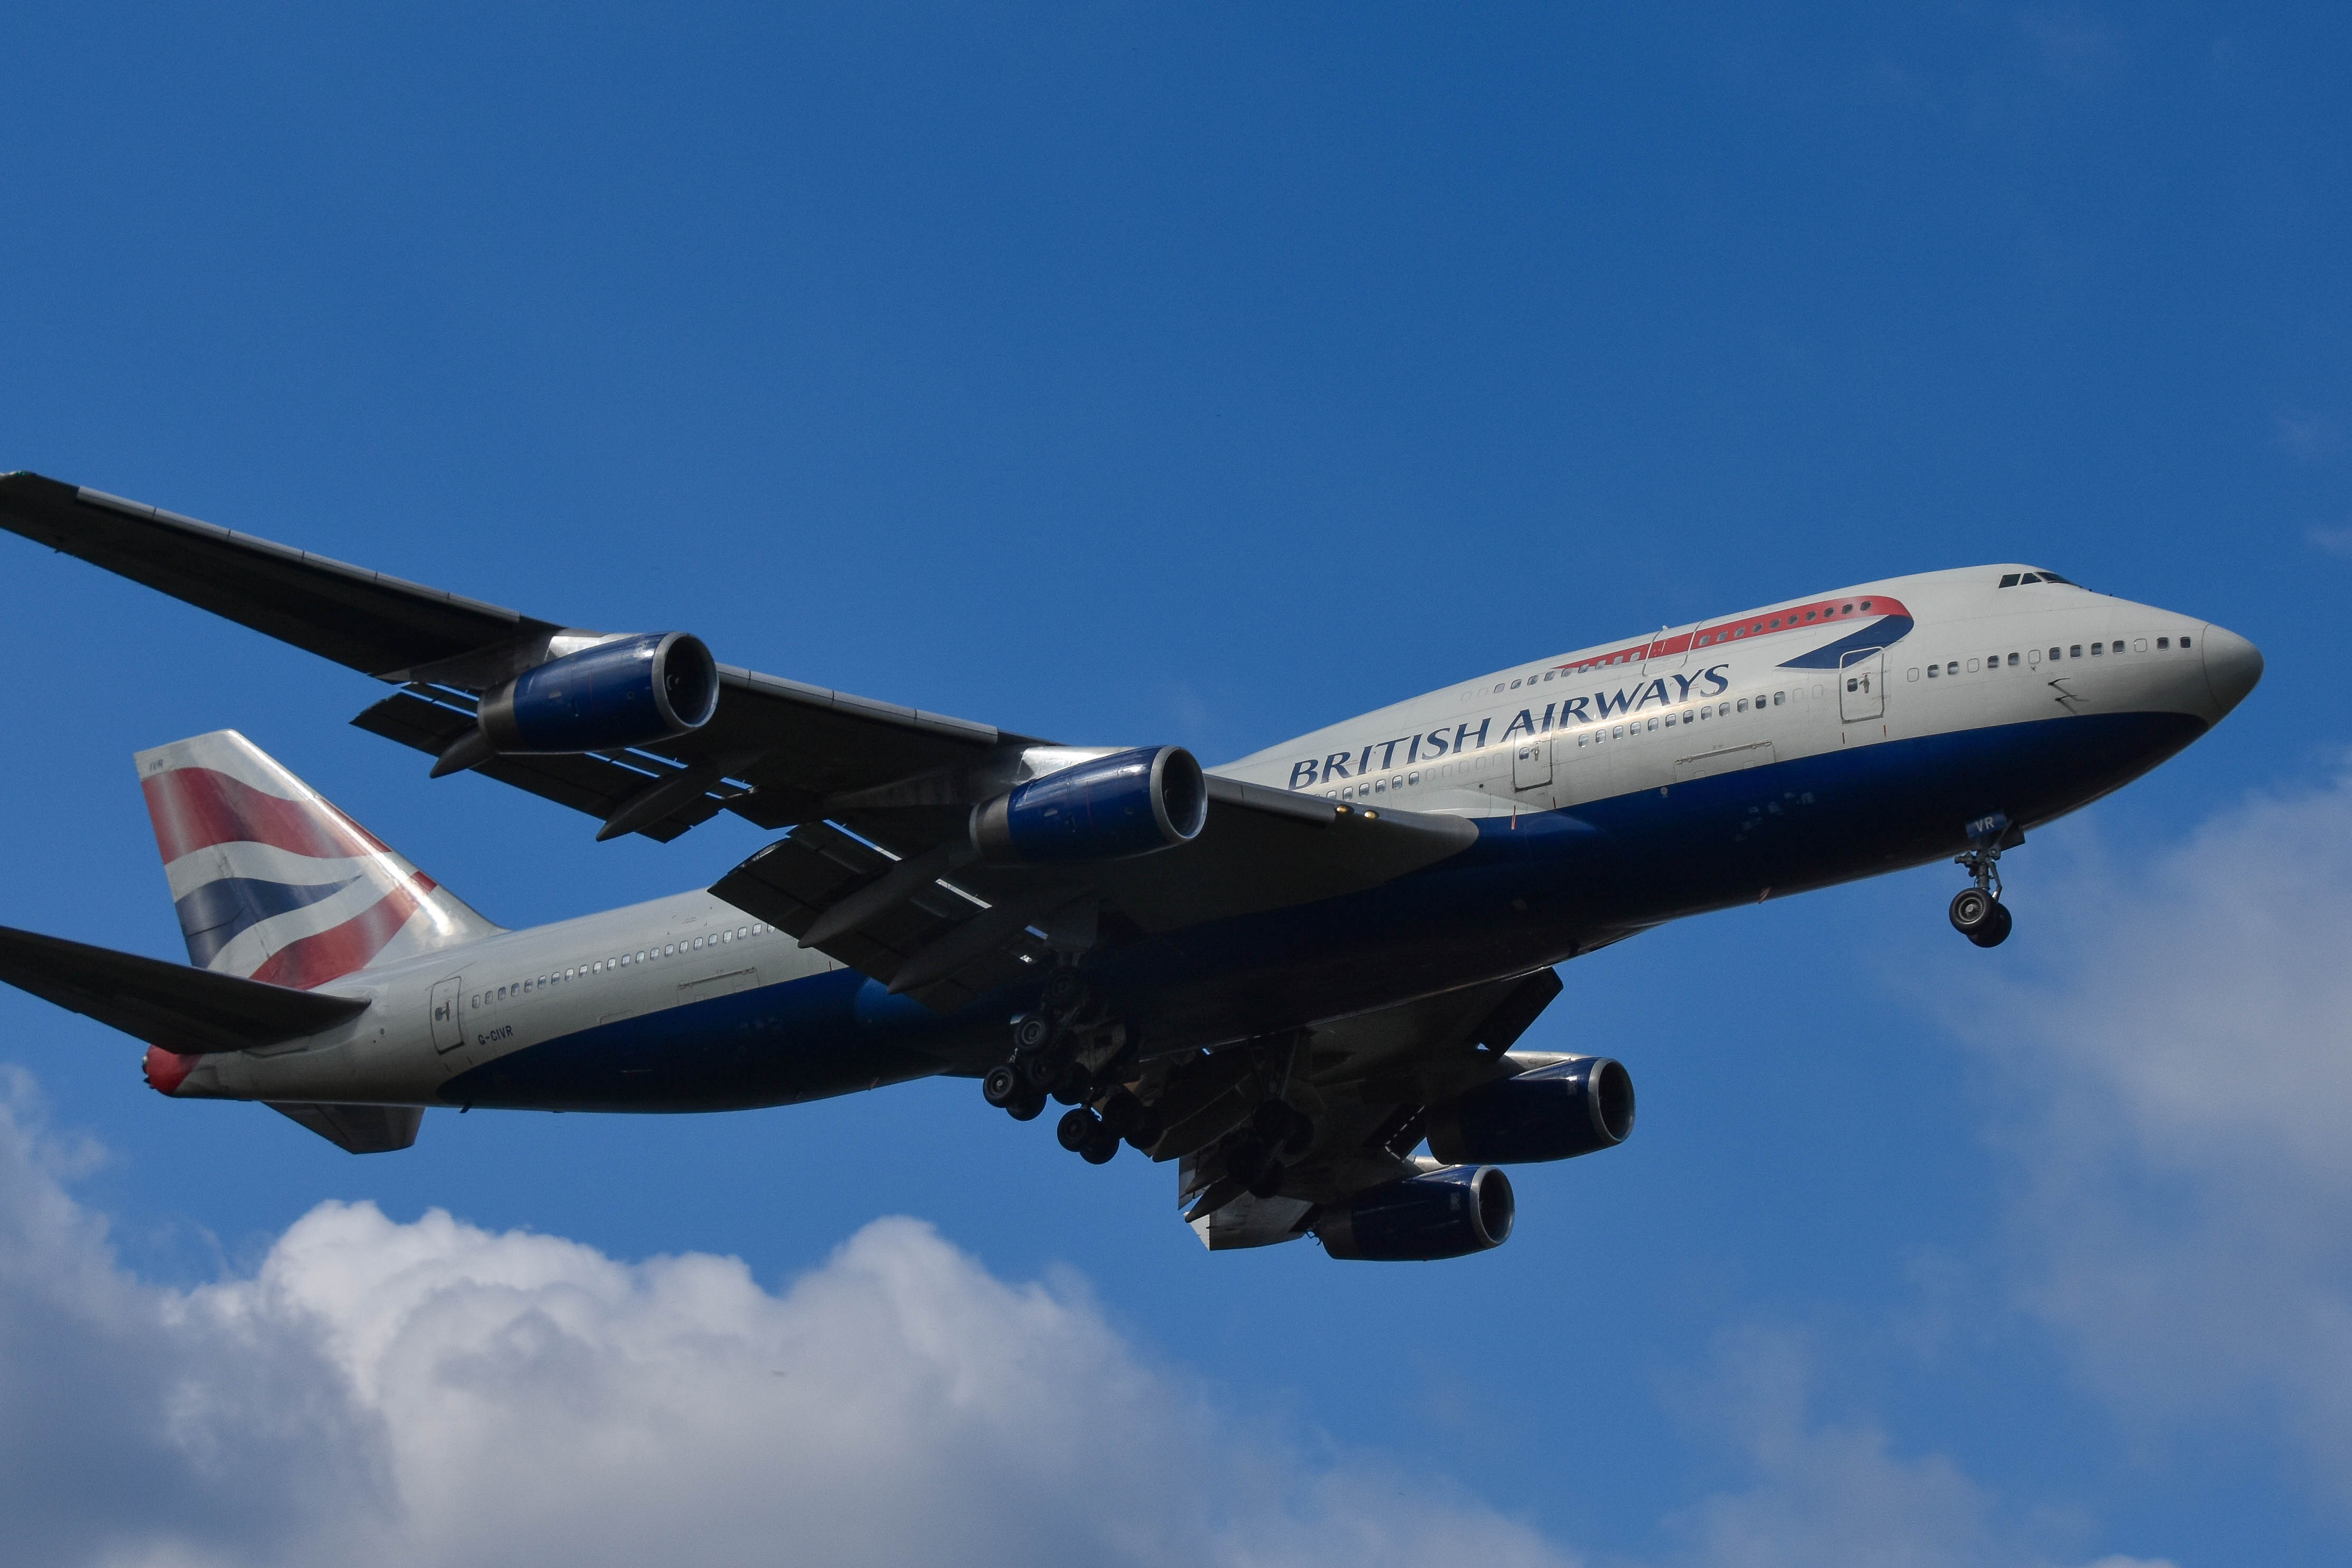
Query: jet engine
{"type": "Point", "coordinates": [1552, 1113]}
{"type": "Point", "coordinates": [1441, 1214]}
{"type": "Point", "coordinates": [631, 691]}
{"type": "Point", "coordinates": [1106, 808]}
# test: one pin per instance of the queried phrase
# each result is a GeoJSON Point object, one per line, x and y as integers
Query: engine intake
{"type": "Point", "coordinates": [1441, 1214]}
{"type": "Point", "coordinates": [1108, 808]}
{"type": "Point", "coordinates": [629, 691]}
{"type": "Point", "coordinates": [1553, 1112]}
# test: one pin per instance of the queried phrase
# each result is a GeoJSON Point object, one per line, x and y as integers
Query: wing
{"type": "Point", "coordinates": [772, 753]}
{"type": "Point", "coordinates": [878, 871]}
{"type": "Point", "coordinates": [922, 916]}
{"type": "Point", "coordinates": [1364, 1083]}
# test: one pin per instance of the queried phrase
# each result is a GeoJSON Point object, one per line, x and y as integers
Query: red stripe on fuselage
{"type": "Point", "coordinates": [1810, 617]}
{"type": "Point", "coordinates": [196, 807]}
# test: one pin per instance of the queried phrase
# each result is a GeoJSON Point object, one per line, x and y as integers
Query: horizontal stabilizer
{"type": "Point", "coordinates": [191, 1011]}
{"type": "Point", "coordinates": [363, 1129]}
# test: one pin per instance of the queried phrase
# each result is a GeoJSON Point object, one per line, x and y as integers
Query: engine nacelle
{"type": "Point", "coordinates": [1553, 1112]}
{"type": "Point", "coordinates": [1442, 1214]}
{"type": "Point", "coordinates": [632, 690]}
{"type": "Point", "coordinates": [1108, 808]}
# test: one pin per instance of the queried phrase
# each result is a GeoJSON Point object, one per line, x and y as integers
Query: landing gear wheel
{"type": "Point", "coordinates": [1119, 1112]}
{"type": "Point", "coordinates": [1974, 911]}
{"type": "Point", "coordinates": [1075, 1086]}
{"type": "Point", "coordinates": [1002, 1087]}
{"type": "Point", "coordinates": [1030, 1031]}
{"type": "Point", "coordinates": [1028, 1107]}
{"type": "Point", "coordinates": [1149, 1123]}
{"type": "Point", "coordinates": [1040, 1070]}
{"type": "Point", "coordinates": [1061, 988]}
{"type": "Point", "coordinates": [1287, 1131]}
{"type": "Point", "coordinates": [1100, 1147]}
{"type": "Point", "coordinates": [1996, 930]}
{"type": "Point", "coordinates": [1077, 1129]}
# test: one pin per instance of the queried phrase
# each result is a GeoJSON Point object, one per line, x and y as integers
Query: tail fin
{"type": "Point", "coordinates": [272, 883]}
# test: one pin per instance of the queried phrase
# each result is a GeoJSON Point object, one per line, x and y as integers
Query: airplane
{"type": "Point", "coordinates": [1289, 975]}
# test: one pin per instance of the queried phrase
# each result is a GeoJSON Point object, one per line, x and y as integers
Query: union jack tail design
{"type": "Point", "coordinates": [272, 883]}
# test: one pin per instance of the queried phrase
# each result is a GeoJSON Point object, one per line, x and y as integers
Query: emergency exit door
{"type": "Point", "coordinates": [1532, 765]}
{"type": "Point", "coordinates": [448, 1028]}
{"type": "Point", "coordinates": [1861, 686]}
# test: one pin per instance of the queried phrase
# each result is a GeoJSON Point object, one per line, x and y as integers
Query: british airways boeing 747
{"type": "Point", "coordinates": [1290, 975]}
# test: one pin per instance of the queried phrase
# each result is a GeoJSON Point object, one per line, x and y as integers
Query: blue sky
{"type": "Point", "coordinates": [1119, 375]}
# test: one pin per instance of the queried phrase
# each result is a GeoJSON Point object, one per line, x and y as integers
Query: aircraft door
{"type": "Point", "coordinates": [449, 1028]}
{"type": "Point", "coordinates": [1669, 649]}
{"type": "Point", "coordinates": [1531, 764]}
{"type": "Point", "coordinates": [1861, 686]}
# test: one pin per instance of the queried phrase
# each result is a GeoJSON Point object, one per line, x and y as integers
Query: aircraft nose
{"type": "Point", "coordinates": [2233, 666]}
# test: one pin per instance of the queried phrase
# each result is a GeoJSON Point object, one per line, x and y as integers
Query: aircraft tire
{"type": "Point", "coordinates": [1996, 930]}
{"type": "Point", "coordinates": [1002, 1086]}
{"type": "Point", "coordinates": [1146, 1128]}
{"type": "Point", "coordinates": [1027, 1108]}
{"type": "Point", "coordinates": [1076, 1129]}
{"type": "Point", "coordinates": [1101, 1147]}
{"type": "Point", "coordinates": [1973, 910]}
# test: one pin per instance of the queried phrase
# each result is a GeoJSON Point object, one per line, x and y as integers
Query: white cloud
{"type": "Point", "coordinates": [2334, 541]}
{"type": "Point", "coordinates": [2178, 1089]}
{"type": "Point", "coordinates": [433, 1393]}
{"type": "Point", "coordinates": [1829, 1493]}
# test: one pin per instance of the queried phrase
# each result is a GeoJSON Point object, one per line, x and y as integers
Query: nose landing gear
{"type": "Point", "coordinates": [1977, 913]}
{"type": "Point", "coordinates": [1981, 916]}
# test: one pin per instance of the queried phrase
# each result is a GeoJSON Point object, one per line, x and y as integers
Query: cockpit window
{"type": "Point", "coordinates": [2018, 579]}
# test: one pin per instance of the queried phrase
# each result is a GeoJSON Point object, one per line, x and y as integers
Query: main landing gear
{"type": "Point", "coordinates": [1063, 1051]}
{"type": "Point", "coordinates": [1977, 913]}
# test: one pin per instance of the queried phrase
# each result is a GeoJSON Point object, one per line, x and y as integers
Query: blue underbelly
{"type": "Point", "coordinates": [1536, 889]}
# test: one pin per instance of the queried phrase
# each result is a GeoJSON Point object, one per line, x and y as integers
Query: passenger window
{"type": "Point", "coordinates": [2184, 642]}
{"type": "Point", "coordinates": [2074, 651]}
{"type": "Point", "coordinates": [2164, 641]}
{"type": "Point", "coordinates": [2139, 645]}
{"type": "Point", "coordinates": [1933, 671]}
{"type": "Point", "coordinates": [1913, 675]}
{"type": "Point", "coordinates": [2034, 655]}
{"type": "Point", "coordinates": [2098, 648]}
{"type": "Point", "coordinates": [1412, 777]}
{"type": "Point", "coordinates": [1379, 786]}
{"type": "Point", "coordinates": [2057, 654]}
{"type": "Point", "coordinates": [1515, 685]}
{"type": "Point", "coordinates": [2013, 660]}
{"type": "Point", "coordinates": [1743, 705]}
{"type": "Point", "coordinates": [1617, 732]}
{"type": "Point", "coordinates": [1778, 697]}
